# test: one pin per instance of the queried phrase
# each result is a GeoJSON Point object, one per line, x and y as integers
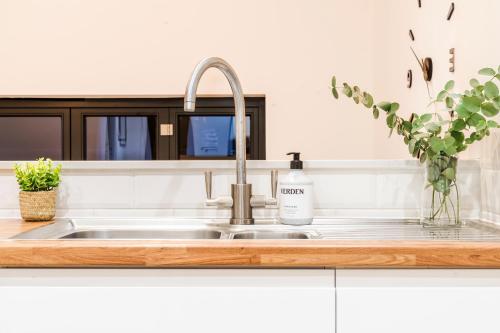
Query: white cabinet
{"type": "Point", "coordinates": [168, 300]}
{"type": "Point", "coordinates": [418, 301]}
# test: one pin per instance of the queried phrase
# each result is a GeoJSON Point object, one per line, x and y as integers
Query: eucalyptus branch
{"type": "Point", "coordinates": [468, 113]}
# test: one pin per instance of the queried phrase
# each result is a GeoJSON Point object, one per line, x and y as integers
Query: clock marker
{"type": "Point", "coordinates": [450, 12]}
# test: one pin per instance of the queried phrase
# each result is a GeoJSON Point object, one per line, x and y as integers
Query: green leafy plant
{"type": "Point", "coordinates": [39, 176]}
{"type": "Point", "coordinates": [457, 121]}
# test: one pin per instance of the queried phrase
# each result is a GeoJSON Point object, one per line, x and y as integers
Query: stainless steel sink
{"type": "Point", "coordinates": [271, 235]}
{"type": "Point", "coordinates": [144, 234]}
{"type": "Point", "coordinates": [327, 229]}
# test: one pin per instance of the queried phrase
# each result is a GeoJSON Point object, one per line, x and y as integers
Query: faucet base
{"type": "Point", "coordinates": [241, 221]}
{"type": "Point", "coordinates": [242, 210]}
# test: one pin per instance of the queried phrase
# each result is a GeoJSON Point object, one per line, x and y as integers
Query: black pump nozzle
{"type": "Point", "coordinates": [296, 163]}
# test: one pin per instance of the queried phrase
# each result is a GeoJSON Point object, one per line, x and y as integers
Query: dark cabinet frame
{"type": "Point", "coordinates": [166, 110]}
{"type": "Point", "coordinates": [20, 111]}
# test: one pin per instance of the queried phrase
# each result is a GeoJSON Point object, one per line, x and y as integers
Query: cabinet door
{"type": "Point", "coordinates": [416, 301]}
{"type": "Point", "coordinates": [153, 301]}
{"type": "Point", "coordinates": [30, 133]}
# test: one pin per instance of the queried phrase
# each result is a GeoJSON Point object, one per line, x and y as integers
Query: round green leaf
{"type": "Point", "coordinates": [423, 157]}
{"type": "Point", "coordinates": [433, 127]}
{"type": "Point", "coordinates": [391, 120]}
{"type": "Point", "coordinates": [449, 85]}
{"type": "Point", "coordinates": [335, 93]}
{"type": "Point", "coordinates": [487, 72]}
{"type": "Point", "coordinates": [442, 94]}
{"type": "Point", "coordinates": [347, 90]}
{"type": "Point", "coordinates": [496, 101]}
{"type": "Point", "coordinates": [492, 124]}
{"type": "Point", "coordinates": [490, 90]}
{"type": "Point", "coordinates": [356, 90]}
{"type": "Point", "coordinates": [449, 173]}
{"type": "Point", "coordinates": [458, 125]}
{"type": "Point", "coordinates": [426, 117]}
{"type": "Point", "coordinates": [367, 100]}
{"type": "Point", "coordinates": [462, 111]}
{"type": "Point", "coordinates": [458, 136]}
{"type": "Point", "coordinates": [386, 106]}
{"type": "Point", "coordinates": [489, 109]}
{"type": "Point", "coordinates": [437, 145]}
{"type": "Point", "coordinates": [476, 120]}
{"type": "Point", "coordinates": [471, 103]}
{"type": "Point", "coordinates": [449, 102]}
{"type": "Point", "coordinates": [394, 107]}
{"type": "Point", "coordinates": [474, 83]}
{"type": "Point", "coordinates": [334, 81]}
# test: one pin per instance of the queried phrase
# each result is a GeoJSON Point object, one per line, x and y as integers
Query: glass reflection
{"type": "Point", "coordinates": [120, 138]}
{"type": "Point", "coordinates": [209, 137]}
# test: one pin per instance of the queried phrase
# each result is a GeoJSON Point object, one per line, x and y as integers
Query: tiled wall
{"type": "Point", "coordinates": [146, 189]}
{"type": "Point", "coordinates": [490, 177]}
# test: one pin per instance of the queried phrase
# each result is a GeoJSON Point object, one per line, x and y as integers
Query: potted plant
{"type": "Point", "coordinates": [38, 182]}
{"type": "Point", "coordinates": [436, 138]}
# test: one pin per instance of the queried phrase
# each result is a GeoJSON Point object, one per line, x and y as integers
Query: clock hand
{"type": "Point", "coordinates": [421, 64]}
{"type": "Point", "coordinates": [416, 57]}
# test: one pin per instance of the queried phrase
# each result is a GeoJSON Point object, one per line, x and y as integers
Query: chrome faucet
{"type": "Point", "coordinates": [241, 199]}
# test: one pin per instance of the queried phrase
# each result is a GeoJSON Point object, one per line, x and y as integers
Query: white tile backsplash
{"type": "Point", "coordinates": [344, 189]}
{"type": "Point", "coordinates": [490, 177]}
{"type": "Point", "coordinates": [389, 189]}
{"type": "Point", "coordinates": [96, 191]}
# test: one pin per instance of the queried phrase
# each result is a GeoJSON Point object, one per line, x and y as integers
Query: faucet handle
{"type": "Point", "coordinates": [261, 200]}
{"type": "Point", "coordinates": [221, 202]}
{"type": "Point", "coordinates": [274, 183]}
{"type": "Point", "coordinates": [208, 184]}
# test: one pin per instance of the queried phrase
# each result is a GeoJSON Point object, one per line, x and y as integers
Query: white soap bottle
{"type": "Point", "coordinates": [296, 195]}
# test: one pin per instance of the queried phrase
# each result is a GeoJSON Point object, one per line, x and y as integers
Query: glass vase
{"type": "Point", "coordinates": [441, 198]}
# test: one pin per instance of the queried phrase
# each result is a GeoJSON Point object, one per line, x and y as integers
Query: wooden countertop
{"type": "Point", "coordinates": [314, 253]}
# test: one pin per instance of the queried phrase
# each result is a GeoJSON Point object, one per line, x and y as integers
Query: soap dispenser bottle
{"type": "Point", "coordinates": [296, 195]}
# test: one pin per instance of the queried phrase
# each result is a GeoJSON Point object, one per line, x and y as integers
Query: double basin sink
{"type": "Point", "coordinates": [212, 229]}
{"type": "Point", "coordinates": [178, 229]}
{"type": "Point", "coordinates": [183, 234]}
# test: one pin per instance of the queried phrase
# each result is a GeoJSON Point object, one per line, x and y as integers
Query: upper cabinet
{"type": "Point", "coordinates": [127, 129]}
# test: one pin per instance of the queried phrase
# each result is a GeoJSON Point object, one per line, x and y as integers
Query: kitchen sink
{"type": "Point", "coordinates": [271, 235]}
{"type": "Point", "coordinates": [144, 234]}
{"type": "Point", "coordinates": [206, 229]}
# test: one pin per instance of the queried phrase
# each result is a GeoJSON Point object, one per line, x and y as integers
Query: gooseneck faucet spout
{"type": "Point", "coordinates": [239, 104]}
{"type": "Point", "coordinates": [241, 200]}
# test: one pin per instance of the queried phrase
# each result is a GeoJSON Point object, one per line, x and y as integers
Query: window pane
{"type": "Point", "coordinates": [30, 137]}
{"type": "Point", "coordinates": [209, 137]}
{"type": "Point", "coordinates": [120, 138]}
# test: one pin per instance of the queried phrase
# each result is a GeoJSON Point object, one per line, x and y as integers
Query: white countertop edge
{"type": "Point", "coordinates": [253, 164]}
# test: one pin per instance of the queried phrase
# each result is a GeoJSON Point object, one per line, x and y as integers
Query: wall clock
{"type": "Point", "coordinates": [425, 64]}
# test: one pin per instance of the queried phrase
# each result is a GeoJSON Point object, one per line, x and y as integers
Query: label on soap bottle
{"type": "Point", "coordinates": [296, 203]}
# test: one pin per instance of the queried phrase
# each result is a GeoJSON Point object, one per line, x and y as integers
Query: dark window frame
{"type": "Point", "coordinates": [167, 109]}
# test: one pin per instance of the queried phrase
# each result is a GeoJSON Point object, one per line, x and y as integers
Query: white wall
{"type": "Point", "coordinates": [472, 31]}
{"type": "Point", "coordinates": [285, 49]}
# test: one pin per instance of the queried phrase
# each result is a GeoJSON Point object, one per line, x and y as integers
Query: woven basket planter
{"type": "Point", "coordinates": [37, 206]}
